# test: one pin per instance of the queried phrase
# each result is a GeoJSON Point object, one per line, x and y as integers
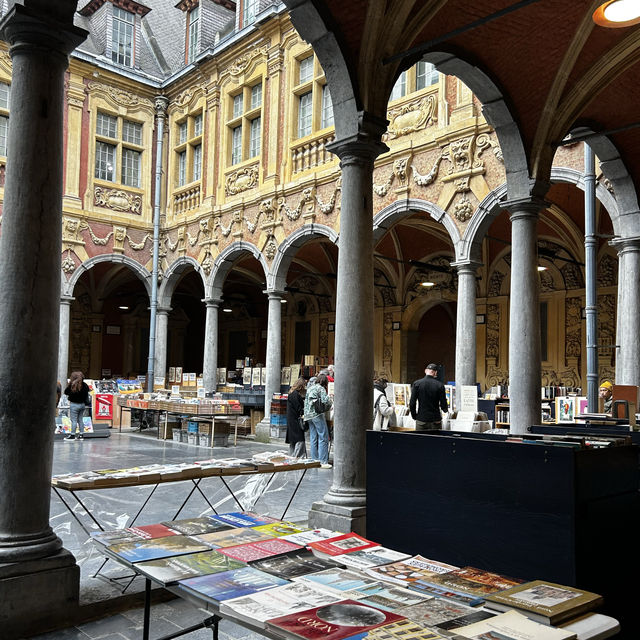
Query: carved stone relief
{"type": "Point", "coordinates": [608, 271]}
{"type": "Point", "coordinates": [410, 117]}
{"type": "Point", "coordinates": [119, 96]}
{"type": "Point", "coordinates": [398, 171]}
{"type": "Point", "coordinates": [241, 63]}
{"type": "Point", "coordinates": [305, 199]}
{"type": "Point", "coordinates": [573, 328]}
{"type": "Point", "coordinates": [117, 200]}
{"type": "Point", "coordinates": [572, 276]}
{"type": "Point", "coordinates": [241, 180]}
{"type": "Point", "coordinates": [607, 328]}
{"type": "Point", "coordinates": [495, 284]}
{"type": "Point", "coordinates": [387, 342]}
{"type": "Point", "coordinates": [493, 331]}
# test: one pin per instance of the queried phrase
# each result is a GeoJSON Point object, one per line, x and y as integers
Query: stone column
{"type": "Point", "coordinates": [628, 354]}
{"type": "Point", "coordinates": [38, 579]}
{"type": "Point", "coordinates": [343, 507]}
{"type": "Point", "coordinates": [524, 316]}
{"type": "Point", "coordinates": [210, 356]}
{"type": "Point", "coordinates": [162, 335]}
{"type": "Point", "coordinates": [274, 346]}
{"type": "Point", "coordinates": [466, 324]}
{"type": "Point", "coordinates": [63, 339]}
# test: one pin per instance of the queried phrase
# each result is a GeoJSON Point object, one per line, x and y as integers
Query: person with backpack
{"type": "Point", "coordinates": [382, 409]}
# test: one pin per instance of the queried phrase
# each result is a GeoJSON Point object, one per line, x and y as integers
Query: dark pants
{"type": "Point", "coordinates": [428, 426]}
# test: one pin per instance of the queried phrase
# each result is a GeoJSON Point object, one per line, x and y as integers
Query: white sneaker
{"type": "Point", "coordinates": [325, 465]}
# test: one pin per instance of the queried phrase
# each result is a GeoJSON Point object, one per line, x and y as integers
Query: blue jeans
{"type": "Point", "coordinates": [319, 438]}
{"type": "Point", "coordinates": [76, 413]}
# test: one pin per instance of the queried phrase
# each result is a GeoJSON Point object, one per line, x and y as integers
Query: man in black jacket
{"type": "Point", "coordinates": [430, 396]}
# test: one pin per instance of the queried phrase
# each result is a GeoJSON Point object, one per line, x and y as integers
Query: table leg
{"type": "Point", "coordinates": [233, 495]}
{"type": "Point", "coordinates": [147, 608]}
{"type": "Point", "coordinates": [293, 495]}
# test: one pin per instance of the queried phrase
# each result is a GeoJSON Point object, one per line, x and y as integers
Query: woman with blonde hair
{"type": "Point", "coordinates": [78, 393]}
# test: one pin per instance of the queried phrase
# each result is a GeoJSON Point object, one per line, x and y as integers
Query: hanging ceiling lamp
{"type": "Point", "coordinates": [617, 13]}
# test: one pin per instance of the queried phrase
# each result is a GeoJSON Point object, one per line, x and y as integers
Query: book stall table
{"type": "Point", "coordinates": [216, 573]}
{"type": "Point", "coordinates": [73, 485]}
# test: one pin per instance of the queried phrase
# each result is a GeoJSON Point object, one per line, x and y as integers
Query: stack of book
{"type": "Point", "coordinates": [296, 582]}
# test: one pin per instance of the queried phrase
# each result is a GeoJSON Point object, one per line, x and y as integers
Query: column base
{"type": "Point", "coordinates": [263, 431]}
{"type": "Point", "coordinates": [38, 595]}
{"type": "Point", "coordinates": [338, 518]}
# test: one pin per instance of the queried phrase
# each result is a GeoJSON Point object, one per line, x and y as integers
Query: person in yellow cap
{"type": "Point", "coordinates": [606, 393]}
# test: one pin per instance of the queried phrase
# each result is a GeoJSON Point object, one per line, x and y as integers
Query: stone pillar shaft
{"type": "Point", "coordinates": [466, 325]}
{"type": "Point", "coordinates": [63, 345]}
{"type": "Point", "coordinates": [210, 355]}
{"type": "Point", "coordinates": [162, 335]}
{"type": "Point", "coordinates": [274, 346]}
{"type": "Point", "coordinates": [524, 318]}
{"type": "Point", "coordinates": [628, 353]}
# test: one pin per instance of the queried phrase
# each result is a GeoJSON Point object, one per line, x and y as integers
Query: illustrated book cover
{"type": "Point", "coordinates": [231, 584]}
{"type": "Point", "coordinates": [232, 537]}
{"type": "Point", "coordinates": [169, 570]}
{"type": "Point", "coordinates": [150, 531]}
{"type": "Point", "coordinates": [115, 536]}
{"type": "Point", "coordinates": [257, 550]}
{"type": "Point", "coordinates": [345, 543]}
{"type": "Point", "coordinates": [398, 631]}
{"type": "Point", "coordinates": [476, 581]}
{"type": "Point", "coordinates": [388, 597]}
{"type": "Point", "coordinates": [333, 621]}
{"type": "Point", "coordinates": [195, 526]}
{"type": "Point", "coordinates": [512, 625]}
{"type": "Point", "coordinates": [436, 610]}
{"type": "Point", "coordinates": [294, 564]}
{"type": "Point", "coordinates": [259, 607]}
{"type": "Point", "coordinates": [140, 550]}
{"type": "Point", "coordinates": [280, 528]}
{"type": "Point", "coordinates": [372, 557]}
{"type": "Point", "coordinates": [338, 580]}
{"type": "Point", "coordinates": [243, 518]}
{"type": "Point", "coordinates": [545, 602]}
{"type": "Point", "coordinates": [410, 570]}
{"type": "Point", "coordinates": [305, 538]}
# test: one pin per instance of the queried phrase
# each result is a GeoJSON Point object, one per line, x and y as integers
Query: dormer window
{"type": "Point", "coordinates": [193, 34]}
{"type": "Point", "coordinates": [122, 37]}
{"type": "Point", "coordinates": [250, 9]}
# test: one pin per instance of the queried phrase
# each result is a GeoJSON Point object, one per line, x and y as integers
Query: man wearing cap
{"type": "Point", "coordinates": [606, 393]}
{"type": "Point", "coordinates": [429, 394]}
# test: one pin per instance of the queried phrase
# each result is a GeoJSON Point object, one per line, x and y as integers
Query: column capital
{"type": "Point", "coordinates": [275, 294]}
{"type": "Point", "coordinates": [366, 144]}
{"type": "Point", "coordinates": [66, 299]}
{"type": "Point", "coordinates": [27, 29]}
{"type": "Point", "coordinates": [466, 266]}
{"type": "Point", "coordinates": [626, 245]}
{"type": "Point", "coordinates": [529, 207]}
{"type": "Point", "coordinates": [160, 104]}
{"type": "Point", "coordinates": [212, 302]}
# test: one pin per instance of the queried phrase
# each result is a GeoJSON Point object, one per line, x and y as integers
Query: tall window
{"type": "Point", "coordinates": [5, 93]}
{"type": "Point", "coordinates": [122, 37]}
{"type": "Point", "coordinates": [426, 75]}
{"type": "Point", "coordinates": [400, 87]}
{"type": "Point", "coordinates": [245, 123]}
{"type": "Point", "coordinates": [315, 109]}
{"type": "Point", "coordinates": [118, 150]}
{"type": "Point", "coordinates": [249, 12]}
{"type": "Point", "coordinates": [421, 76]}
{"type": "Point", "coordinates": [193, 34]}
{"type": "Point", "coordinates": [188, 150]}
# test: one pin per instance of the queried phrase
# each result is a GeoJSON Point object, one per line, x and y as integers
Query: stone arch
{"type": "Point", "coordinates": [115, 258]}
{"type": "Point", "coordinates": [172, 276]}
{"type": "Point", "coordinates": [277, 276]}
{"type": "Point", "coordinates": [224, 262]}
{"type": "Point", "coordinates": [414, 312]}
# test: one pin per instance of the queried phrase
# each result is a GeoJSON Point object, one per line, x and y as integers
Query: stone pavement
{"type": "Point", "coordinates": [101, 597]}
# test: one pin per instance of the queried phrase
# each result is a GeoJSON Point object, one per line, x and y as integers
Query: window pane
{"type": "Point", "coordinates": [131, 168]}
{"type": "Point", "coordinates": [400, 87]}
{"type": "Point", "coordinates": [4, 95]}
{"type": "Point", "coordinates": [106, 125]}
{"type": "Point", "coordinates": [254, 140]}
{"type": "Point", "coordinates": [105, 160]}
{"type": "Point", "coordinates": [306, 70]}
{"type": "Point", "coordinates": [304, 115]}
{"type": "Point", "coordinates": [327, 108]}
{"type": "Point", "coordinates": [237, 105]}
{"type": "Point", "coordinates": [250, 8]}
{"type": "Point", "coordinates": [4, 128]}
{"type": "Point", "coordinates": [122, 37]}
{"type": "Point", "coordinates": [182, 132]}
{"type": "Point", "coordinates": [182, 168]}
{"type": "Point", "coordinates": [197, 125]}
{"type": "Point", "coordinates": [426, 75]}
{"type": "Point", "coordinates": [236, 145]}
{"type": "Point", "coordinates": [197, 162]}
{"type": "Point", "coordinates": [256, 96]}
{"type": "Point", "coordinates": [132, 132]}
{"type": "Point", "coordinates": [194, 29]}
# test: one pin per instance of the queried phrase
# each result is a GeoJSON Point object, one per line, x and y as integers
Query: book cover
{"type": "Point", "coordinates": [294, 564]}
{"type": "Point", "coordinates": [440, 591]}
{"type": "Point", "coordinates": [372, 557]}
{"type": "Point", "coordinates": [305, 538]}
{"type": "Point", "coordinates": [258, 550]}
{"type": "Point", "coordinates": [195, 526]}
{"type": "Point", "coordinates": [546, 602]}
{"type": "Point", "coordinates": [400, 630]}
{"type": "Point", "coordinates": [231, 584]}
{"type": "Point", "coordinates": [232, 537]}
{"type": "Point", "coordinates": [259, 607]}
{"type": "Point", "coordinates": [150, 531]}
{"type": "Point", "coordinates": [333, 621]}
{"type": "Point", "coordinates": [469, 618]}
{"type": "Point", "coordinates": [169, 570]}
{"type": "Point", "coordinates": [115, 536]}
{"type": "Point", "coordinates": [243, 518]}
{"type": "Point", "coordinates": [345, 543]}
{"type": "Point", "coordinates": [281, 528]}
{"type": "Point", "coordinates": [388, 597]}
{"type": "Point", "coordinates": [476, 581]}
{"type": "Point", "coordinates": [337, 580]}
{"type": "Point", "coordinates": [512, 626]}
{"type": "Point", "coordinates": [434, 611]}
{"type": "Point", "coordinates": [410, 570]}
{"type": "Point", "coordinates": [140, 550]}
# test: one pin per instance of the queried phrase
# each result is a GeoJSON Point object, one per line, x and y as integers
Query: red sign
{"type": "Point", "coordinates": [104, 406]}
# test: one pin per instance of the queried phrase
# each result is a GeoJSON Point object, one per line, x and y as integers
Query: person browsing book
{"type": "Point", "coordinates": [382, 409]}
{"type": "Point", "coordinates": [78, 393]}
{"type": "Point", "coordinates": [316, 403]}
{"type": "Point", "coordinates": [295, 423]}
{"type": "Point", "coordinates": [428, 399]}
